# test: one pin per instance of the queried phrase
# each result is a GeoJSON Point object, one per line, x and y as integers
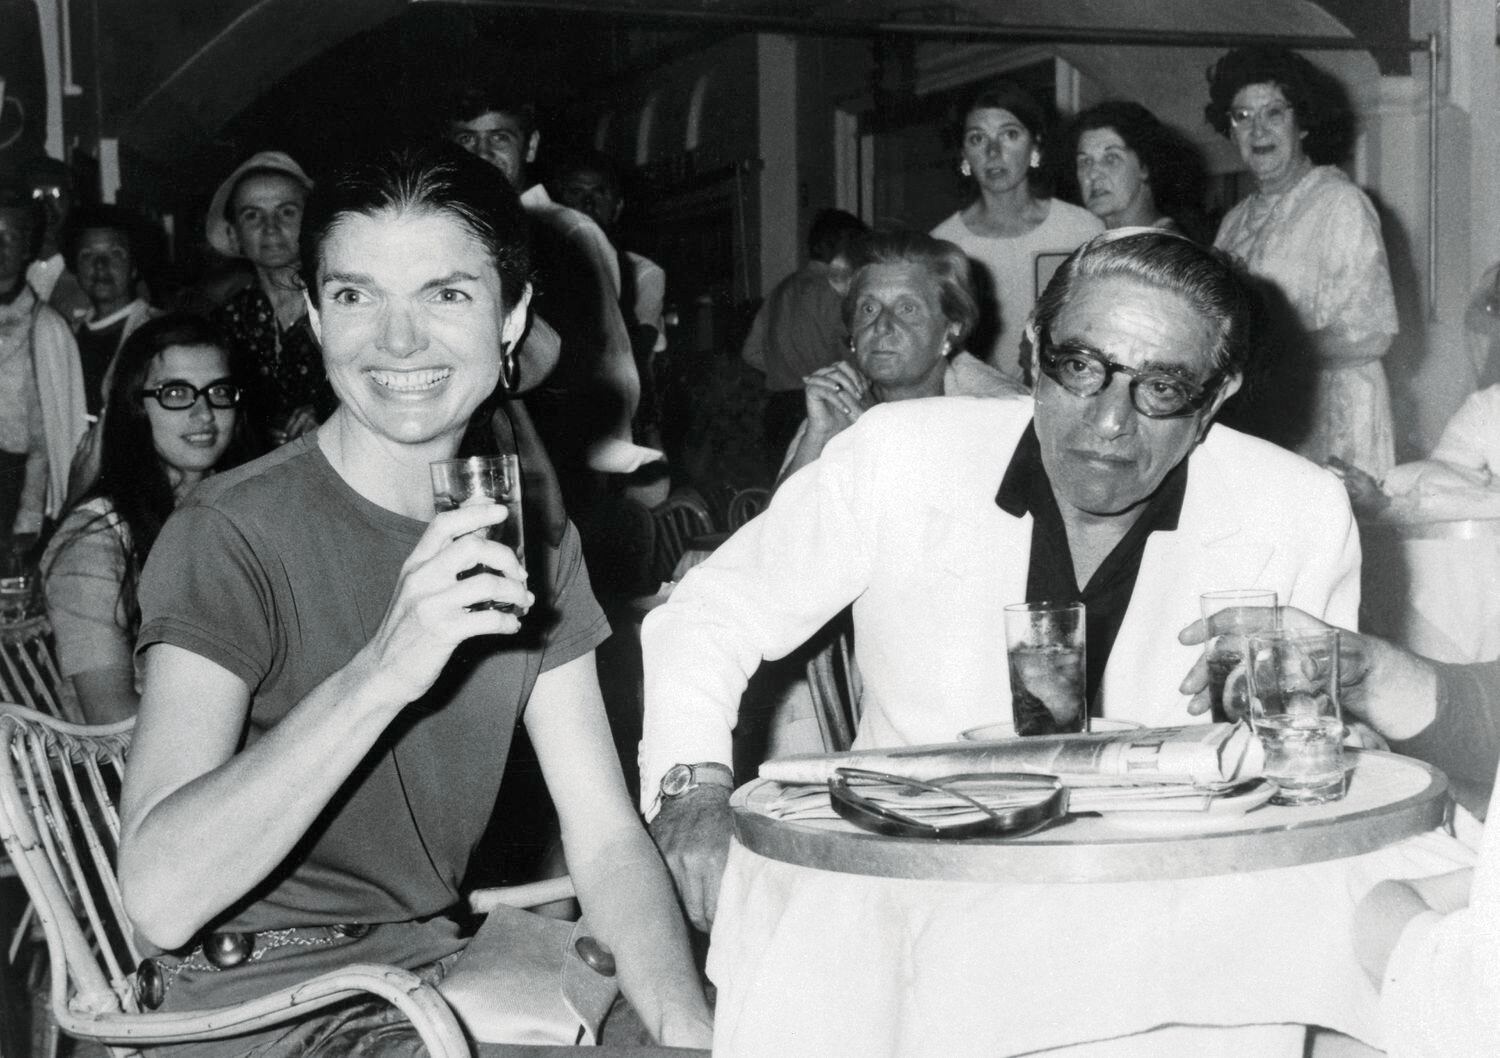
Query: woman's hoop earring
{"type": "Point", "coordinates": [963, 167]}
{"type": "Point", "coordinates": [510, 368]}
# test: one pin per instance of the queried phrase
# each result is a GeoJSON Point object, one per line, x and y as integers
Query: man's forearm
{"type": "Point", "coordinates": [1464, 736]}
{"type": "Point", "coordinates": [33, 505]}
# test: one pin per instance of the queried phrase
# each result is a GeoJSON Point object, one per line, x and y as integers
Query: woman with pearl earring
{"type": "Point", "coordinates": [909, 308]}
{"type": "Point", "coordinates": [1012, 231]}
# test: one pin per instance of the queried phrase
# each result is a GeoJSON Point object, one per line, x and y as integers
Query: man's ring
{"type": "Point", "coordinates": [838, 387]}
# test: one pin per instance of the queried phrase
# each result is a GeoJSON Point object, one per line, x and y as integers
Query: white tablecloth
{"type": "Point", "coordinates": [819, 963]}
{"type": "Point", "coordinates": [1437, 596]}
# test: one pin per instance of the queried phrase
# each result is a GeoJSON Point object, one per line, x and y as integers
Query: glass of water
{"type": "Point", "coordinates": [485, 479]}
{"type": "Point", "coordinates": [1044, 643]}
{"type": "Point", "coordinates": [1246, 610]}
{"type": "Point", "coordinates": [1294, 707]}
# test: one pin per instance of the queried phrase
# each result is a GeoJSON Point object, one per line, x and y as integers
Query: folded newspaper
{"type": "Point", "coordinates": [1198, 754]}
{"type": "Point", "coordinates": [1199, 768]}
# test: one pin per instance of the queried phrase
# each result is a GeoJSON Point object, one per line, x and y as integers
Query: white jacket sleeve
{"type": "Point", "coordinates": [1441, 994]}
{"type": "Point", "coordinates": [762, 594]}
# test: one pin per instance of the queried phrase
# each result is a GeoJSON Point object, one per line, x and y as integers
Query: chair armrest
{"type": "Point", "coordinates": [531, 894]}
{"type": "Point", "coordinates": [422, 1004]}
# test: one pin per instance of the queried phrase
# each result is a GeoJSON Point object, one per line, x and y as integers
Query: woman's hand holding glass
{"type": "Point", "coordinates": [433, 609]}
{"type": "Point", "coordinates": [837, 395]}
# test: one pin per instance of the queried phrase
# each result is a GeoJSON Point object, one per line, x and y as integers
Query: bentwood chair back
{"type": "Point", "coordinates": [28, 670]}
{"type": "Point", "coordinates": [682, 517]}
{"type": "Point", "coordinates": [746, 504]}
{"type": "Point", "coordinates": [833, 679]}
{"type": "Point", "coordinates": [59, 785]}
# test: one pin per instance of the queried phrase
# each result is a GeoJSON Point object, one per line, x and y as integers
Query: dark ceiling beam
{"type": "Point", "coordinates": [815, 25]}
{"type": "Point", "coordinates": [263, 43]}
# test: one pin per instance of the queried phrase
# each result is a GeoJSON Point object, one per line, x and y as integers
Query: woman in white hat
{"type": "Point", "coordinates": [257, 214]}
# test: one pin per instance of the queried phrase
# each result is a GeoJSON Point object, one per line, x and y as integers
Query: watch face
{"type": "Point", "coordinates": [678, 778]}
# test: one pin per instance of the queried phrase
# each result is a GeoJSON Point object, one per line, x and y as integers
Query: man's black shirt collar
{"type": "Point", "coordinates": [1050, 575]}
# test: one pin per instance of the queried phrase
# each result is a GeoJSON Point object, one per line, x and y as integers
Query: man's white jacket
{"type": "Point", "coordinates": [898, 517]}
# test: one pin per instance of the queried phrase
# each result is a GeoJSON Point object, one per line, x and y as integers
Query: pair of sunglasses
{"type": "Point", "coordinates": [1028, 803]}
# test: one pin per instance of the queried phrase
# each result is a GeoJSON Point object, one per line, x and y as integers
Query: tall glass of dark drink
{"type": "Point", "coordinates": [1045, 645]}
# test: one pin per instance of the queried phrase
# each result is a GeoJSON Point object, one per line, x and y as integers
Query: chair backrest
{"type": "Point", "coordinates": [29, 674]}
{"type": "Point", "coordinates": [833, 679]}
{"type": "Point", "coordinates": [681, 518]}
{"type": "Point", "coordinates": [746, 504]}
{"type": "Point", "coordinates": [59, 787]}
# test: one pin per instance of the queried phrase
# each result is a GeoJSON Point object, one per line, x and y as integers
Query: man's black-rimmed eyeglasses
{"type": "Point", "coordinates": [177, 395]}
{"type": "Point", "coordinates": [1156, 394]}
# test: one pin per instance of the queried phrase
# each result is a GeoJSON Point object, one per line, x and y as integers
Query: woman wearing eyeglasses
{"type": "Point", "coordinates": [171, 418]}
{"type": "Point", "coordinates": [1314, 237]}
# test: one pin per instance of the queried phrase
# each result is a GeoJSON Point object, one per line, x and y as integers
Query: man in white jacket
{"type": "Point", "coordinates": [1112, 487]}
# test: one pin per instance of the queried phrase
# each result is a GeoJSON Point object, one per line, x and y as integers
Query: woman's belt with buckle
{"type": "Point", "coordinates": [226, 949]}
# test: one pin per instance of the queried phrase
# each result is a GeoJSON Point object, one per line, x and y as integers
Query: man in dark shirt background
{"type": "Point", "coordinates": [101, 250]}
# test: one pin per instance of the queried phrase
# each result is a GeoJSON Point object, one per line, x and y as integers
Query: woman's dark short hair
{"type": "Point", "coordinates": [1023, 104]}
{"type": "Point", "coordinates": [438, 179]}
{"type": "Point", "coordinates": [1170, 160]}
{"type": "Point", "coordinates": [1319, 102]}
{"type": "Point", "coordinates": [945, 261]}
{"type": "Point", "coordinates": [1208, 279]}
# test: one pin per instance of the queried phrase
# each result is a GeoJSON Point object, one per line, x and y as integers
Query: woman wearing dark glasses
{"type": "Point", "coordinates": [171, 418]}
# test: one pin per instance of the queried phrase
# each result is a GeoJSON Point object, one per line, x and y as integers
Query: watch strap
{"type": "Point", "coordinates": [703, 773]}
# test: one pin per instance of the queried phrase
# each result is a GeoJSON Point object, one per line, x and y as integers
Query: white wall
{"type": "Point", "coordinates": [776, 58]}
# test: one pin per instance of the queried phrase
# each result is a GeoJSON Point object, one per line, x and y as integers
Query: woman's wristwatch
{"type": "Point", "coordinates": [680, 778]}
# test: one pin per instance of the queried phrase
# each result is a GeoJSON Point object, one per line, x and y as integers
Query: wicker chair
{"type": "Point", "coordinates": [58, 788]}
{"type": "Point", "coordinates": [29, 674]}
{"type": "Point", "coordinates": [682, 517]}
{"type": "Point", "coordinates": [746, 504]}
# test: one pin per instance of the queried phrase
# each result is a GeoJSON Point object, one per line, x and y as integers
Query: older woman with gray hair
{"type": "Point", "coordinates": [909, 309]}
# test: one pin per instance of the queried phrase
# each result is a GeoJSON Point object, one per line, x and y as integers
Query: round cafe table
{"type": "Point", "coordinates": [1152, 936]}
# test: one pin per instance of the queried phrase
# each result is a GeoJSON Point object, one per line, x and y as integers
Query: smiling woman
{"type": "Point", "coordinates": [313, 599]}
{"type": "Point", "coordinates": [1315, 238]}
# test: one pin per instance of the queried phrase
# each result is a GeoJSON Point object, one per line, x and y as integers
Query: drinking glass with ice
{"type": "Point", "coordinates": [1244, 610]}
{"type": "Point", "coordinates": [1294, 707]}
{"type": "Point", "coordinates": [485, 479]}
{"type": "Point", "coordinates": [1044, 642]}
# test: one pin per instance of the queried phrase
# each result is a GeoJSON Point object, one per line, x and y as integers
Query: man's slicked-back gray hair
{"type": "Point", "coordinates": [1212, 282]}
